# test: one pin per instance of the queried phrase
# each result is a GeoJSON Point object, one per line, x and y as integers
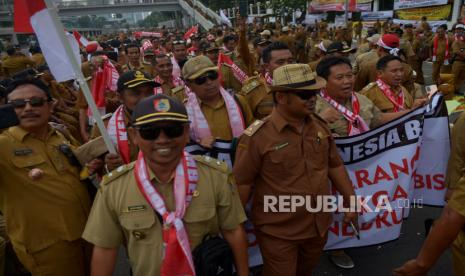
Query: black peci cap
{"type": "Point", "coordinates": [133, 79]}
{"type": "Point", "coordinates": [158, 108]}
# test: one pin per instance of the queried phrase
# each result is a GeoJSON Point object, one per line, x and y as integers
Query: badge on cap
{"type": "Point", "coordinates": [161, 105]}
{"type": "Point", "coordinates": [139, 75]}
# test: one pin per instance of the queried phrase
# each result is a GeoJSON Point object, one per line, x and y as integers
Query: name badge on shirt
{"type": "Point", "coordinates": [135, 208]}
{"type": "Point", "coordinates": [281, 146]}
{"type": "Point", "coordinates": [22, 152]}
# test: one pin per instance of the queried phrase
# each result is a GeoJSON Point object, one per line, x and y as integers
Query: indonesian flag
{"type": "Point", "coordinates": [83, 42]}
{"type": "Point", "coordinates": [147, 34]}
{"type": "Point", "coordinates": [238, 73]}
{"type": "Point", "coordinates": [191, 32]}
{"type": "Point", "coordinates": [33, 16]}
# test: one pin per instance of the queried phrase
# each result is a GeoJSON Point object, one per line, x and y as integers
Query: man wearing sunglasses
{"type": "Point", "coordinates": [214, 113]}
{"type": "Point", "coordinates": [42, 198]}
{"type": "Point", "coordinates": [291, 152]}
{"type": "Point", "coordinates": [256, 88]}
{"type": "Point", "coordinates": [140, 204]}
{"type": "Point", "coordinates": [133, 86]}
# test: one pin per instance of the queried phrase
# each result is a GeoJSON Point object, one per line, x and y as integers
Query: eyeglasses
{"type": "Point", "coordinates": [177, 42]}
{"type": "Point", "coordinates": [152, 132]}
{"type": "Point", "coordinates": [212, 75]}
{"type": "Point", "coordinates": [304, 95]}
{"type": "Point", "coordinates": [34, 102]}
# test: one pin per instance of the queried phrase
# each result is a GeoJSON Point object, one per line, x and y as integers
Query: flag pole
{"type": "Point", "coordinates": [79, 76]}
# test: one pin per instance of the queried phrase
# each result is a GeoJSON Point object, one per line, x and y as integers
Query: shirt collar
{"type": "Point", "coordinates": [280, 122]}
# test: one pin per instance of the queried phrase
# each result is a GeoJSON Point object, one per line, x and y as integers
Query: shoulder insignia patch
{"type": "Point", "coordinates": [254, 127]}
{"type": "Point", "coordinates": [121, 170]}
{"type": "Point", "coordinates": [250, 85]}
{"type": "Point", "coordinates": [177, 89]}
{"type": "Point", "coordinates": [368, 87]}
{"type": "Point", "coordinates": [212, 162]}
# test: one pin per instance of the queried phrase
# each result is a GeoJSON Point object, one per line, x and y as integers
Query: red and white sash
{"type": "Point", "coordinates": [117, 131]}
{"type": "Point", "coordinates": [238, 73]}
{"type": "Point", "coordinates": [177, 255]}
{"type": "Point", "coordinates": [435, 50]}
{"type": "Point", "coordinates": [199, 126]}
{"type": "Point", "coordinates": [268, 78]}
{"type": "Point", "coordinates": [396, 100]}
{"type": "Point", "coordinates": [176, 69]}
{"type": "Point", "coordinates": [356, 123]}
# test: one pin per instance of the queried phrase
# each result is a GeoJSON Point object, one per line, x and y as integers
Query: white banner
{"type": "Point", "coordinates": [407, 4]}
{"type": "Point", "coordinates": [394, 167]}
{"type": "Point", "coordinates": [381, 15]}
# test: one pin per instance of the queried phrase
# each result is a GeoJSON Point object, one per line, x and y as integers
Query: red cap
{"type": "Point", "coordinates": [389, 40]}
{"type": "Point", "coordinates": [92, 47]}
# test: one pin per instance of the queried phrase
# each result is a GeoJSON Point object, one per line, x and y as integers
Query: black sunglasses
{"type": "Point", "coordinates": [304, 95]}
{"type": "Point", "coordinates": [34, 102]}
{"type": "Point", "coordinates": [152, 132]}
{"type": "Point", "coordinates": [212, 75]}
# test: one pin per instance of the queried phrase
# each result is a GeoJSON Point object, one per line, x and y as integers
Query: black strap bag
{"type": "Point", "coordinates": [213, 257]}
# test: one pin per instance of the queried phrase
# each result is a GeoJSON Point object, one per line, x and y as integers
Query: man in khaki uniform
{"type": "Point", "coordinates": [390, 71]}
{"type": "Point", "coordinates": [439, 45]}
{"type": "Point", "coordinates": [170, 85]}
{"type": "Point", "coordinates": [368, 55]}
{"type": "Point", "coordinates": [37, 56]}
{"type": "Point", "coordinates": [45, 232]}
{"type": "Point", "coordinates": [15, 62]}
{"type": "Point", "coordinates": [447, 231]}
{"type": "Point", "coordinates": [133, 86]}
{"type": "Point", "coordinates": [458, 53]}
{"type": "Point", "coordinates": [256, 89]}
{"type": "Point", "coordinates": [457, 153]}
{"type": "Point", "coordinates": [290, 152]}
{"type": "Point", "coordinates": [339, 87]}
{"type": "Point", "coordinates": [220, 110]}
{"type": "Point", "coordinates": [134, 61]}
{"type": "Point", "coordinates": [124, 213]}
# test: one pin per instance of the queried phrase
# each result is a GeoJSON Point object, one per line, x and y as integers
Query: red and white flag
{"type": "Point", "coordinates": [83, 42]}
{"type": "Point", "coordinates": [191, 32]}
{"type": "Point", "coordinates": [33, 16]}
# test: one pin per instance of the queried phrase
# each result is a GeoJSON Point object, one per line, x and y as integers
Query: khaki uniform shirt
{"type": "Point", "coordinates": [457, 153]}
{"type": "Point", "coordinates": [441, 50]}
{"type": "Point", "coordinates": [40, 212]}
{"type": "Point", "coordinates": [457, 202]}
{"type": "Point", "coordinates": [276, 159]}
{"type": "Point", "coordinates": [368, 111]}
{"type": "Point", "coordinates": [218, 119]}
{"type": "Point", "coordinates": [374, 93]}
{"type": "Point", "coordinates": [144, 67]}
{"type": "Point", "coordinates": [38, 59]}
{"type": "Point", "coordinates": [121, 214]}
{"type": "Point", "coordinates": [258, 96]}
{"type": "Point", "coordinates": [14, 64]}
{"type": "Point", "coordinates": [363, 58]}
{"type": "Point", "coordinates": [458, 47]}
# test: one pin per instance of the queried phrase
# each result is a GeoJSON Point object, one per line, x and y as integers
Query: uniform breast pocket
{"type": "Point", "coordinates": [141, 228]}
{"type": "Point", "coordinates": [200, 221]}
{"type": "Point", "coordinates": [28, 161]}
{"type": "Point", "coordinates": [320, 152]}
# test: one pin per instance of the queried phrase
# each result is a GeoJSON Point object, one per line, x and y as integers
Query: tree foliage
{"type": "Point", "coordinates": [154, 18]}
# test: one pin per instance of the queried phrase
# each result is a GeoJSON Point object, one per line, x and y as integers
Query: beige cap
{"type": "Point", "coordinates": [374, 38]}
{"type": "Point", "coordinates": [296, 77]}
{"type": "Point", "coordinates": [266, 32]}
{"type": "Point", "coordinates": [197, 66]}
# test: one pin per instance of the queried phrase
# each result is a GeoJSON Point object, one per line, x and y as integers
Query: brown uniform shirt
{"type": "Point", "coordinates": [457, 153]}
{"type": "Point", "coordinates": [218, 119]}
{"type": "Point", "coordinates": [14, 64]}
{"type": "Point", "coordinates": [40, 212]}
{"type": "Point", "coordinates": [258, 96]}
{"type": "Point", "coordinates": [38, 59]}
{"type": "Point", "coordinates": [121, 214]}
{"type": "Point", "coordinates": [277, 159]}
{"type": "Point", "coordinates": [374, 93]}
{"type": "Point", "coordinates": [458, 48]}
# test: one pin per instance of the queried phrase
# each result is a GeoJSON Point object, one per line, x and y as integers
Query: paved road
{"type": "Point", "coordinates": [379, 259]}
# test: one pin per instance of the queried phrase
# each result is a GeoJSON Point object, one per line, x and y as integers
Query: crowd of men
{"type": "Point", "coordinates": [267, 100]}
